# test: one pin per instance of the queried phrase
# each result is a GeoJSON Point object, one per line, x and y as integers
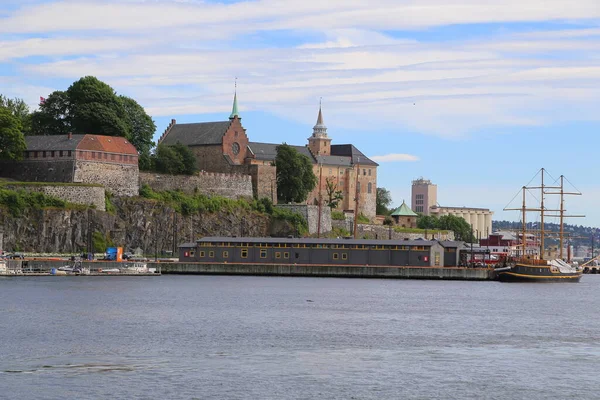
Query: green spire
{"type": "Point", "coordinates": [404, 211]}
{"type": "Point", "coordinates": [234, 111]}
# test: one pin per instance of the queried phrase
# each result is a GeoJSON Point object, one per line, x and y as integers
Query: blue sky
{"type": "Point", "coordinates": [476, 95]}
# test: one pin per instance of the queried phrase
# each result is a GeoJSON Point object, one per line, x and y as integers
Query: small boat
{"type": "Point", "coordinates": [136, 268]}
{"type": "Point", "coordinates": [3, 268]}
{"type": "Point", "coordinates": [528, 268]}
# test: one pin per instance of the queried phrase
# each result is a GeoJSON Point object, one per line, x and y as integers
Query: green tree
{"type": "Point", "coordinates": [91, 106]}
{"type": "Point", "coordinates": [54, 115]}
{"type": "Point", "coordinates": [187, 158]}
{"type": "Point", "coordinates": [177, 159]}
{"type": "Point", "coordinates": [295, 176]}
{"type": "Point", "coordinates": [19, 109]}
{"type": "Point", "coordinates": [428, 222]}
{"type": "Point", "coordinates": [96, 108]}
{"type": "Point", "coordinates": [334, 196]}
{"type": "Point", "coordinates": [383, 199]}
{"type": "Point", "coordinates": [12, 141]}
{"type": "Point", "coordinates": [461, 228]}
{"type": "Point", "coordinates": [141, 125]}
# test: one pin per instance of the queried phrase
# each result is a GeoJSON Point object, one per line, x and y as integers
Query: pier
{"type": "Point", "coordinates": [107, 268]}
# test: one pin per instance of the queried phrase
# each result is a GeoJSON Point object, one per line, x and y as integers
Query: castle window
{"type": "Point", "coordinates": [364, 171]}
{"type": "Point", "coordinates": [69, 153]}
{"type": "Point", "coordinates": [52, 153]}
{"type": "Point", "coordinates": [93, 154]}
{"type": "Point", "coordinates": [358, 187]}
{"type": "Point", "coordinates": [369, 187]}
{"type": "Point", "coordinates": [113, 157]}
{"type": "Point", "coordinates": [44, 154]}
{"type": "Point", "coordinates": [369, 172]}
{"type": "Point", "coordinates": [60, 153]}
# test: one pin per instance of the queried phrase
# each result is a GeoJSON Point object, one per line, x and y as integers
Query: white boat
{"type": "Point", "coordinates": [3, 268]}
{"type": "Point", "coordinates": [136, 268]}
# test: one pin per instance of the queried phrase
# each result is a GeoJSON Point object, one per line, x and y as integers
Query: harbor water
{"type": "Point", "coordinates": [243, 337]}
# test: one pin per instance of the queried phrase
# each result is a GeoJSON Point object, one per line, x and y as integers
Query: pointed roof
{"type": "Point", "coordinates": [320, 130]}
{"type": "Point", "coordinates": [404, 211]}
{"type": "Point", "coordinates": [234, 111]}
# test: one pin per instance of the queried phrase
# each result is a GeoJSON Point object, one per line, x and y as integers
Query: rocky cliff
{"type": "Point", "coordinates": [135, 223]}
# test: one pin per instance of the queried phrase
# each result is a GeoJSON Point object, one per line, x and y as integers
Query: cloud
{"type": "Point", "coordinates": [395, 158]}
{"type": "Point", "coordinates": [180, 57]}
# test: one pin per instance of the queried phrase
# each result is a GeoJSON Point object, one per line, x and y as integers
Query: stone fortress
{"type": "Point", "coordinates": [79, 168]}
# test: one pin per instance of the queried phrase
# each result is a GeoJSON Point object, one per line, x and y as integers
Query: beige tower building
{"type": "Point", "coordinates": [424, 196]}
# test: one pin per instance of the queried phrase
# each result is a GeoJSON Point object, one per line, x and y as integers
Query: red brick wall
{"type": "Point", "coordinates": [235, 134]}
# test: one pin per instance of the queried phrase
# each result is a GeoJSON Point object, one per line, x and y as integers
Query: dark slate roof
{"type": "Point", "coordinates": [348, 150]}
{"type": "Point", "coordinates": [198, 134]}
{"type": "Point", "coordinates": [334, 160]}
{"type": "Point", "coordinates": [370, 242]}
{"type": "Point", "coordinates": [52, 142]}
{"type": "Point", "coordinates": [268, 151]}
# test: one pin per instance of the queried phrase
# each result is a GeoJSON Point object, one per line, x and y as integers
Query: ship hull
{"type": "Point", "coordinates": [534, 273]}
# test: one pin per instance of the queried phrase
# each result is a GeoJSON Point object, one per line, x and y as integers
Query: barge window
{"type": "Point", "coordinates": [336, 256]}
{"type": "Point", "coordinates": [344, 256]}
{"type": "Point", "coordinates": [286, 255]}
{"type": "Point", "coordinates": [202, 254]}
{"type": "Point", "coordinates": [418, 248]}
{"type": "Point", "coordinates": [225, 254]}
{"type": "Point", "coordinates": [437, 258]}
{"type": "Point", "coordinates": [404, 248]}
{"type": "Point", "coordinates": [244, 253]}
{"type": "Point", "coordinates": [263, 253]}
{"type": "Point", "coordinates": [277, 254]}
{"type": "Point", "coordinates": [211, 254]}
{"type": "Point", "coordinates": [192, 253]}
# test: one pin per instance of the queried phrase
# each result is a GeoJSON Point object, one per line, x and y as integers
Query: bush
{"type": "Point", "coordinates": [388, 221]}
{"type": "Point", "coordinates": [337, 215]}
{"type": "Point", "coordinates": [18, 200]}
{"type": "Point", "coordinates": [362, 219]}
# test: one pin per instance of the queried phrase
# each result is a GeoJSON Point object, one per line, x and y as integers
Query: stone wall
{"type": "Point", "coordinates": [120, 180]}
{"type": "Point", "coordinates": [264, 181]}
{"type": "Point", "coordinates": [384, 232]}
{"type": "Point", "coordinates": [86, 195]}
{"type": "Point", "coordinates": [311, 214]}
{"type": "Point", "coordinates": [227, 185]}
{"type": "Point", "coordinates": [38, 171]}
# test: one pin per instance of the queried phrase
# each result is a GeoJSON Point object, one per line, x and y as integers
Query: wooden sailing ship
{"type": "Point", "coordinates": [528, 267]}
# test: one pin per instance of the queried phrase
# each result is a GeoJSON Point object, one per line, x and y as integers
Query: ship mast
{"type": "Point", "coordinates": [542, 219]}
{"type": "Point", "coordinates": [562, 215]}
{"type": "Point", "coordinates": [524, 239]}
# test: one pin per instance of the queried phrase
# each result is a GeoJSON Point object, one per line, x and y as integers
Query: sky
{"type": "Point", "coordinates": [475, 95]}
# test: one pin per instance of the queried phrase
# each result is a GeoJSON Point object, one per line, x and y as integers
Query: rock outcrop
{"type": "Point", "coordinates": [135, 223]}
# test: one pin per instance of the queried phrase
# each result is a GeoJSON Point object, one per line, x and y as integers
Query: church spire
{"type": "Point", "coordinates": [234, 111]}
{"type": "Point", "coordinates": [320, 130]}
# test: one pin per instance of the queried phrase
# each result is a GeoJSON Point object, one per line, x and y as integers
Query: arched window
{"type": "Point", "coordinates": [369, 187]}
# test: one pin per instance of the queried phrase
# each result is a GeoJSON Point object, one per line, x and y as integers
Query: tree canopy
{"type": "Point", "coordinates": [295, 176]}
{"type": "Point", "coordinates": [461, 228]}
{"type": "Point", "coordinates": [177, 159]}
{"type": "Point", "coordinates": [334, 195]}
{"type": "Point", "coordinates": [19, 109]}
{"type": "Point", "coordinates": [383, 199]}
{"type": "Point", "coordinates": [12, 141]}
{"type": "Point", "coordinates": [91, 106]}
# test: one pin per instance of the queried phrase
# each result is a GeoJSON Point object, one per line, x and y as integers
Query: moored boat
{"type": "Point", "coordinates": [527, 268]}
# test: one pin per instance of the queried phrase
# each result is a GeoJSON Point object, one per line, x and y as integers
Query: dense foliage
{"type": "Point", "coordinates": [18, 109]}
{"type": "Point", "coordinates": [295, 176]}
{"type": "Point", "coordinates": [177, 159]}
{"type": "Point", "coordinates": [199, 203]}
{"type": "Point", "coordinates": [461, 228]}
{"type": "Point", "coordinates": [12, 142]}
{"type": "Point", "coordinates": [16, 201]}
{"type": "Point", "coordinates": [383, 199]}
{"type": "Point", "coordinates": [91, 106]}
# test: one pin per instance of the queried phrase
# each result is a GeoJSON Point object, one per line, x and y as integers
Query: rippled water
{"type": "Point", "coordinates": [201, 337]}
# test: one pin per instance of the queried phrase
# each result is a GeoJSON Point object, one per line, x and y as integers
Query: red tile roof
{"type": "Point", "coordinates": [109, 144]}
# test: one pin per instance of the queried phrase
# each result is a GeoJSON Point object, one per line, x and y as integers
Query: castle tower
{"type": "Point", "coordinates": [319, 143]}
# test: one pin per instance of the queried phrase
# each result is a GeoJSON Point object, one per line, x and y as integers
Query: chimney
{"type": "Point", "coordinates": [173, 122]}
{"type": "Point", "coordinates": [70, 136]}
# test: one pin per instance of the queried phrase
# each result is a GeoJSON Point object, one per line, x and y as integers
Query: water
{"type": "Point", "coordinates": [201, 337]}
